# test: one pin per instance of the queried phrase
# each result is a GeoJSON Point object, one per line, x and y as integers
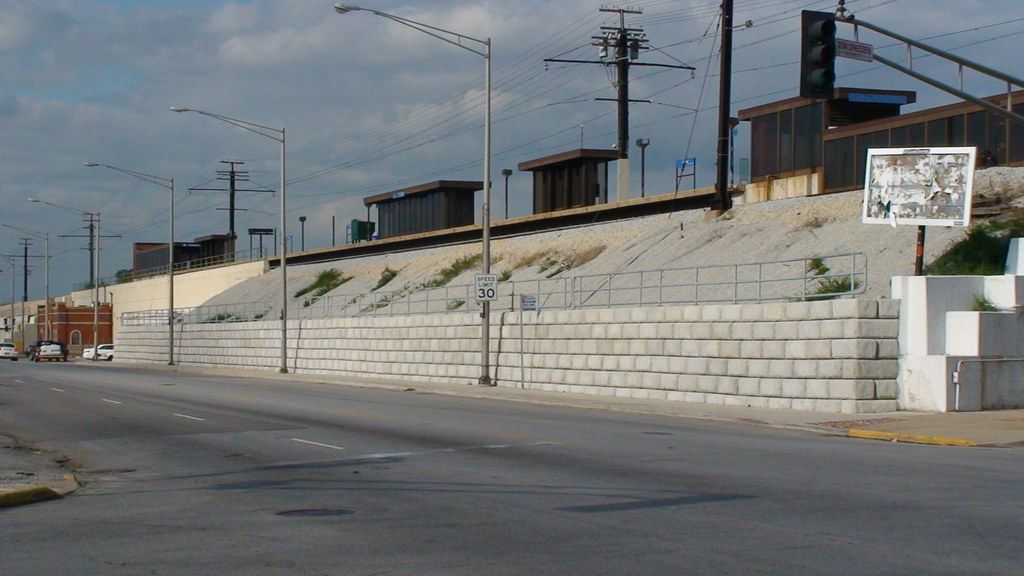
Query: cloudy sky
{"type": "Point", "coordinates": [371, 106]}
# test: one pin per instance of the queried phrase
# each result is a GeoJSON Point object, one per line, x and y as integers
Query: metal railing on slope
{"type": "Point", "coordinates": [833, 276]}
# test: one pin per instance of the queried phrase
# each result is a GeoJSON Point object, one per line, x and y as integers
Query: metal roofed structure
{"type": "Point", "coordinates": [425, 207]}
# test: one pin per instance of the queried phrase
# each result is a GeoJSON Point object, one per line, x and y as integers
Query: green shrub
{"type": "Point", "coordinates": [505, 275]}
{"type": "Point", "coordinates": [982, 304]}
{"type": "Point", "coordinates": [386, 275]}
{"type": "Point", "coordinates": [457, 267]}
{"type": "Point", "coordinates": [982, 252]}
{"type": "Point", "coordinates": [325, 282]}
{"type": "Point", "coordinates": [455, 304]}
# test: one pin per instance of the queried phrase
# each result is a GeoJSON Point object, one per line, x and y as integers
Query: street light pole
{"type": "Point", "coordinates": [167, 183]}
{"type": "Point", "coordinates": [445, 36]}
{"type": "Point", "coordinates": [278, 135]}
{"type": "Point", "coordinates": [642, 143]}
{"type": "Point", "coordinates": [506, 172]}
{"type": "Point", "coordinates": [302, 224]}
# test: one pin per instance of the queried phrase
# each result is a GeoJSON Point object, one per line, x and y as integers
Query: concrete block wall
{"type": "Point", "coordinates": [837, 356]}
{"type": "Point", "coordinates": [954, 358]}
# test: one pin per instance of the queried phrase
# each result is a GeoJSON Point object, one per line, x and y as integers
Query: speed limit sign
{"type": "Point", "coordinates": [486, 287]}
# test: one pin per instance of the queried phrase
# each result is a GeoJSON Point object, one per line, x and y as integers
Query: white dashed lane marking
{"type": "Point", "coordinates": [111, 401]}
{"type": "Point", "coordinates": [190, 417]}
{"type": "Point", "coordinates": [56, 389]}
{"type": "Point", "coordinates": [332, 447]}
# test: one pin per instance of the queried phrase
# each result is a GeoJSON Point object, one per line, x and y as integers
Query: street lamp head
{"type": "Point", "coordinates": [180, 109]}
{"type": "Point", "coordinates": [91, 164]}
{"type": "Point", "coordinates": [302, 218]}
{"type": "Point", "coordinates": [34, 200]}
{"type": "Point", "coordinates": [643, 142]}
{"type": "Point", "coordinates": [345, 8]}
{"type": "Point", "coordinates": [506, 172]}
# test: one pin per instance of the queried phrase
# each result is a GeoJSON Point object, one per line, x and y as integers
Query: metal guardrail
{"type": "Point", "coordinates": [832, 276]}
{"type": "Point", "coordinates": [232, 258]}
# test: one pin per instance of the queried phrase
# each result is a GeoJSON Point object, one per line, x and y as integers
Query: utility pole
{"type": "Point", "coordinates": [723, 201]}
{"type": "Point", "coordinates": [26, 243]}
{"type": "Point", "coordinates": [232, 176]}
{"type": "Point", "coordinates": [627, 42]}
{"type": "Point", "coordinates": [91, 221]}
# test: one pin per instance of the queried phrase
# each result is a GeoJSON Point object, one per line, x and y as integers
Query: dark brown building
{"type": "Point", "coordinates": [151, 257]}
{"type": "Point", "coordinates": [801, 147]}
{"type": "Point", "coordinates": [432, 206]}
{"type": "Point", "coordinates": [570, 179]}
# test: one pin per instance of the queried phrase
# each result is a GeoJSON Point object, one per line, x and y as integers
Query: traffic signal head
{"type": "Point", "coordinates": [817, 54]}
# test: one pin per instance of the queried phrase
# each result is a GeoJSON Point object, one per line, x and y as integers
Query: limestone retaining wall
{"type": "Point", "coordinates": [838, 356]}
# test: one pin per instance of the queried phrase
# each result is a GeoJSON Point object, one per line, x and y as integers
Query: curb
{"type": "Point", "coordinates": [28, 495]}
{"type": "Point", "coordinates": [909, 438]}
{"type": "Point", "coordinates": [39, 493]}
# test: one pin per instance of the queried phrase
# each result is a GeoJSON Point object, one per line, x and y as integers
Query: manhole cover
{"type": "Point", "coordinates": [314, 512]}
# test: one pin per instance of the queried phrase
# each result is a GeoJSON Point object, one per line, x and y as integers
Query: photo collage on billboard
{"type": "Point", "coordinates": [919, 186]}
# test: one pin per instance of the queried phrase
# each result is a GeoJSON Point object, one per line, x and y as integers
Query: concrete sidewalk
{"type": "Point", "coordinates": [988, 428]}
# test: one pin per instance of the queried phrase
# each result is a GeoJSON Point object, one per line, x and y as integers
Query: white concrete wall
{"type": "Point", "coordinates": [838, 356]}
{"type": "Point", "coordinates": [955, 358]}
{"type": "Point", "coordinates": [190, 289]}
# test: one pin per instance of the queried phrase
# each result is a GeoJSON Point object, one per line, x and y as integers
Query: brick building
{"type": "Point", "coordinates": [73, 325]}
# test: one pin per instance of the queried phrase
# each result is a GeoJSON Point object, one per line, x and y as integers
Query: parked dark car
{"type": "Point", "coordinates": [49, 350]}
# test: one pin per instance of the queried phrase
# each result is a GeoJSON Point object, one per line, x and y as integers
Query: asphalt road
{"type": "Point", "coordinates": [188, 474]}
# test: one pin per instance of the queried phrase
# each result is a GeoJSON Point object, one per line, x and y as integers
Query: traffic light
{"type": "Point", "coordinates": [817, 54]}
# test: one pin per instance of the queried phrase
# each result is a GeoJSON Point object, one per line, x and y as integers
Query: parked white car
{"type": "Point", "coordinates": [7, 352]}
{"type": "Point", "coordinates": [102, 352]}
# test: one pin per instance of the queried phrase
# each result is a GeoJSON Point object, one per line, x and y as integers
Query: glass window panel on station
{"type": "Point", "coordinates": [937, 134]}
{"type": "Point", "coordinates": [785, 140]}
{"type": "Point", "coordinates": [878, 139]}
{"type": "Point", "coordinates": [807, 126]}
{"type": "Point", "coordinates": [976, 130]}
{"type": "Point", "coordinates": [997, 137]}
{"type": "Point", "coordinates": [1017, 137]}
{"type": "Point", "coordinates": [763, 145]}
{"type": "Point", "coordinates": [839, 164]}
{"type": "Point", "coordinates": [915, 135]}
{"type": "Point", "coordinates": [900, 137]}
{"type": "Point", "coordinates": [957, 130]}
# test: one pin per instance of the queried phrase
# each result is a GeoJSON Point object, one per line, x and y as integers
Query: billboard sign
{"type": "Point", "coordinates": [919, 186]}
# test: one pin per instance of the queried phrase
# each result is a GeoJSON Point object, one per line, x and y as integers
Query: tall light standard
{"type": "Point", "coordinates": [167, 183]}
{"type": "Point", "coordinates": [506, 172]}
{"type": "Point", "coordinates": [643, 143]}
{"type": "Point", "coordinates": [46, 309]}
{"type": "Point", "coordinates": [302, 224]}
{"type": "Point", "coordinates": [456, 39]}
{"type": "Point", "coordinates": [93, 217]}
{"type": "Point", "coordinates": [278, 135]}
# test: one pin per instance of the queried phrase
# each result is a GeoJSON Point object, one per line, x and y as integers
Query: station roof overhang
{"type": "Point", "coordinates": [467, 186]}
{"type": "Point", "coordinates": [851, 95]}
{"type": "Point", "coordinates": [570, 157]}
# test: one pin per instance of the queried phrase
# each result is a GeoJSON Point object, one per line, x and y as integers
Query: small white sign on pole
{"type": "Point", "coordinates": [855, 50]}
{"type": "Point", "coordinates": [486, 287]}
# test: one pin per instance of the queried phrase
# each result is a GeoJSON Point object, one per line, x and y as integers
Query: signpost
{"type": "Point", "coordinates": [681, 166]}
{"type": "Point", "coordinates": [526, 302]}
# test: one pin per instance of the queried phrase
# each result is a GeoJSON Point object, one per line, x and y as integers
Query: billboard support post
{"type": "Point", "coordinates": [919, 260]}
